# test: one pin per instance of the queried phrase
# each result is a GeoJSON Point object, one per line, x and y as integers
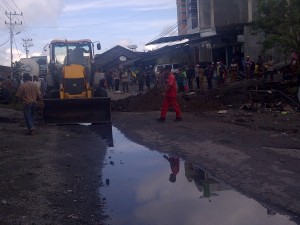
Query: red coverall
{"type": "Point", "coordinates": [170, 98]}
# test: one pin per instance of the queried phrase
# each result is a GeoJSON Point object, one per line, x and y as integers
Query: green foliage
{"type": "Point", "coordinates": [17, 71]}
{"type": "Point", "coordinates": [279, 20]}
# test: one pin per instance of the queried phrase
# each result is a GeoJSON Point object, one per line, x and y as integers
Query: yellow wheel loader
{"type": "Point", "coordinates": [69, 96]}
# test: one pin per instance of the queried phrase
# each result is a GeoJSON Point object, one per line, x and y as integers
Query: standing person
{"type": "Point", "coordinates": [30, 95]}
{"type": "Point", "coordinates": [124, 80]}
{"type": "Point", "coordinates": [99, 75]}
{"type": "Point", "coordinates": [249, 68]}
{"type": "Point", "coordinates": [209, 73]}
{"type": "Point", "coordinates": [170, 97]}
{"type": "Point", "coordinates": [109, 80]}
{"type": "Point", "coordinates": [116, 76]}
{"type": "Point", "coordinates": [180, 79]}
{"type": "Point", "coordinates": [101, 91]}
{"type": "Point", "coordinates": [190, 73]}
{"type": "Point", "coordinates": [141, 79]}
{"type": "Point", "coordinates": [147, 79]}
{"type": "Point", "coordinates": [234, 69]}
{"type": "Point", "coordinates": [259, 67]}
{"type": "Point", "coordinates": [270, 68]}
{"type": "Point", "coordinates": [197, 75]}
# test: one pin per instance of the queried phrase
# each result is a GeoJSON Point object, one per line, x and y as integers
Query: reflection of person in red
{"type": "Point", "coordinates": [170, 97]}
{"type": "Point", "coordinates": [174, 164]}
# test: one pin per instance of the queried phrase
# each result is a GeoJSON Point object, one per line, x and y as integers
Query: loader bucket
{"type": "Point", "coordinates": [74, 111]}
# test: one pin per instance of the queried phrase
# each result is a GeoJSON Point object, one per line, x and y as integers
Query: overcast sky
{"type": "Point", "coordinates": [112, 22]}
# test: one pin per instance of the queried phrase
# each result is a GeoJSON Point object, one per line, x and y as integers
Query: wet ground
{"type": "Point", "coordinates": [55, 177]}
{"type": "Point", "coordinates": [139, 188]}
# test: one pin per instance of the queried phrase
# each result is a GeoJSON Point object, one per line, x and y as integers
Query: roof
{"type": "Point", "coordinates": [70, 41]}
{"type": "Point", "coordinates": [111, 56]}
{"type": "Point", "coordinates": [173, 38]}
{"type": "Point", "coordinates": [196, 37]}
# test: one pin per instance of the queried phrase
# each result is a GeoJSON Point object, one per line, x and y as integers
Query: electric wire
{"type": "Point", "coordinates": [16, 5]}
{"type": "Point", "coordinates": [8, 6]}
{"type": "Point", "coordinates": [165, 32]}
{"type": "Point", "coordinates": [4, 42]}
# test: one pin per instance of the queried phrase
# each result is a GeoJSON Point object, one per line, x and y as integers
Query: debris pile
{"type": "Point", "coordinates": [245, 95]}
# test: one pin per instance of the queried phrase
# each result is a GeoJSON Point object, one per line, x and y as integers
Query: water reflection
{"type": "Point", "coordinates": [205, 183]}
{"type": "Point", "coordinates": [139, 192]}
{"type": "Point", "coordinates": [105, 132]}
{"type": "Point", "coordinates": [174, 164]}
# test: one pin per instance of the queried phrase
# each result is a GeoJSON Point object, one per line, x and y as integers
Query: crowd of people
{"type": "Point", "coordinates": [196, 77]}
{"type": "Point", "coordinates": [120, 80]}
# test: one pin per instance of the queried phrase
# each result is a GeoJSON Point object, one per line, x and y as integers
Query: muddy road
{"type": "Point", "coordinates": [54, 176]}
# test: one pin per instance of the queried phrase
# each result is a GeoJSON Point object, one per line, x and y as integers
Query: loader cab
{"type": "Point", "coordinates": [71, 52]}
{"type": "Point", "coordinates": [64, 53]}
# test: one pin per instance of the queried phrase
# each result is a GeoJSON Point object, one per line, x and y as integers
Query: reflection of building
{"type": "Point", "coordinates": [204, 182]}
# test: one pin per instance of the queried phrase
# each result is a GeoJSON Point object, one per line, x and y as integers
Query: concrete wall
{"type": "Point", "coordinates": [230, 12]}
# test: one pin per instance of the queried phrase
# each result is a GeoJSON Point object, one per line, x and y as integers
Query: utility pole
{"type": "Point", "coordinates": [26, 45]}
{"type": "Point", "coordinates": [11, 26]}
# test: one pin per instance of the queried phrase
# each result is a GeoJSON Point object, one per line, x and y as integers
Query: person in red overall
{"type": "Point", "coordinates": [174, 164]}
{"type": "Point", "coordinates": [170, 98]}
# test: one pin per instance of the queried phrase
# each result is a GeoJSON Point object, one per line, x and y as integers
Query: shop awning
{"type": "Point", "coordinates": [173, 39]}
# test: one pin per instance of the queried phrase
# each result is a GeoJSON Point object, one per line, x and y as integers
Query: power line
{"type": "Point", "coordinates": [16, 5]}
{"type": "Point", "coordinates": [8, 6]}
{"type": "Point", "coordinates": [11, 26]}
{"type": "Point", "coordinates": [4, 42]}
{"type": "Point", "coordinates": [165, 31]}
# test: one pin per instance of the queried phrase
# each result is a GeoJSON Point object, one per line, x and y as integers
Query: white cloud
{"type": "Point", "coordinates": [133, 4]}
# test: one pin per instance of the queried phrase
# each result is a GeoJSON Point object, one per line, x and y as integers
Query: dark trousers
{"type": "Point", "coordinates": [28, 111]}
{"type": "Point", "coordinates": [268, 73]}
{"type": "Point", "coordinates": [198, 82]}
{"type": "Point", "coordinates": [141, 86]}
{"type": "Point", "coordinates": [209, 83]}
{"type": "Point", "coordinates": [125, 86]}
{"type": "Point", "coordinates": [117, 84]}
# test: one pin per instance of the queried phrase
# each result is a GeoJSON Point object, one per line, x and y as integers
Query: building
{"type": "Point", "coordinates": [5, 72]}
{"type": "Point", "coordinates": [216, 30]}
{"type": "Point", "coordinates": [181, 17]}
{"type": "Point", "coordinates": [116, 57]}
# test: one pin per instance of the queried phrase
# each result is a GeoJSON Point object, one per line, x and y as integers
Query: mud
{"type": "Point", "coordinates": [54, 176]}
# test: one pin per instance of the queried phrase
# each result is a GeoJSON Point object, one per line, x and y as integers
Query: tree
{"type": "Point", "coordinates": [279, 20]}
{"type": "Point", "coordinates": [17, 71]}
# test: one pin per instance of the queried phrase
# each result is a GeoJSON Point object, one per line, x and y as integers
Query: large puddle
{"type": "Point", "coordinates": [144, 187]}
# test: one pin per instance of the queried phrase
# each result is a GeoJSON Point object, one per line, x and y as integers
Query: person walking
{"type": "Point", "coordinates": [30, 96]}
{"type": "Point", "coordinates": [170, 97]}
